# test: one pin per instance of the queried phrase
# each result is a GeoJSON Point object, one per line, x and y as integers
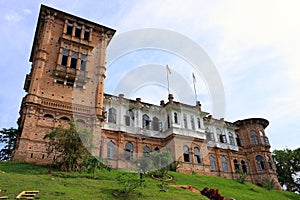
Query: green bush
{"type": "Point", "coordinates": [268, 183]}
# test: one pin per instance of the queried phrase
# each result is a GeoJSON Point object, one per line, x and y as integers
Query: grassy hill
{"type": "Point", "coordinates": [16, 177]}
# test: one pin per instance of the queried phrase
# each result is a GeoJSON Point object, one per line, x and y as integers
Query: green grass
{"type": "Point", "coordinates": [16, 177]}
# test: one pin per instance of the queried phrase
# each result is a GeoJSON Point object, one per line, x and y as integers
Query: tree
{"type": "Point", "coordinates": [8, 137]}
{"type": "Point", "coordinates": [71, 146]}
{"type": "Point", "coordinates": [287, 166]}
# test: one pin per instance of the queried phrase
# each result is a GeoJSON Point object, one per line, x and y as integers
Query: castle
{"type": "Point", "coordinates": [66, 81]}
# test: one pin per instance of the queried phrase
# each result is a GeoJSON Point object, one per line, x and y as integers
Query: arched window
{"type": "Point", "coordinates": [186, 153]}
{"type": "Point", "coordinates": [269, 162]}
{"type": "Point", "coordinates": [192, 122]}
{"type": "Point", "coordinates": [155, 124]}
{"type": "Point", "coordinates": [185, 121]}
{"type": "Point", "coordinates": [146, 122]}
{"type": "Point", "coordinates": [129, 151]}
{"type": "Point", "coordinates": [129, 118]}
{"type": "Point", "coordinates": [244, 166]}
{"type": "Point", "coordinates": [231, 139]}
{"type": "Point", "coordinates": [156, 149]}
{"type": "Point", "coordinates": [110, 150]}
{"type": "Point", "coordinates": [48, 116]}
{"type": "Point", "coordinates": [175, 118]}
{"type": "Point", "coordinates": [254, 139]}
{"type": "Point", "coordinates": [146, 149]}
{"type": "Point", "coordinates": [213, 166]}
{"type": "Point", "coordinates": [236, 165]}
{"type": "Point", "coordinates": [197, 158]}
{"type": "Point", "coordinates": [224, 164]}
{"type": "Point", "coordinates": [65, 119]}
{"type": "Point", "coordinates": [112, 115]}
{"type": "Point", "coordinates": [260, 163]}
{"type": "Point", "coordinates": [198, 122]}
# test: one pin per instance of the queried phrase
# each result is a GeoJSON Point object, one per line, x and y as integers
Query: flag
{"type": "Point", "coordinates": [169, 70]}
{"type": "Point", "coordinates": [194, 78]}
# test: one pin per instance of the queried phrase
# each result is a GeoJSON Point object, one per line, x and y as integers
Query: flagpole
{"type": "Point", "coordinates": [194, 81]}
{"type": "Point", "coordinates": [168, 71]}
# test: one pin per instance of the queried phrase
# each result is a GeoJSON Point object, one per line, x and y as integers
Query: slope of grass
{"type": "Point", "coordinates": [16, 177]}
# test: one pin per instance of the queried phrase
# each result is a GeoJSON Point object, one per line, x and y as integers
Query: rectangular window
{"type": "Point", "coordinates": [185, 121]}
{"type": "Point", "coordinates": [83, 62]}
{"type": "Point", "coordinates": [74, 60]}
{"type": "Point", "coordinates": [86, 34]}
{"type": "Point", "coordinates": [69, 28]}
{"type": "Point", "coordinates": [78, 31]}
{"type": "Point", "coordinates": [223, 139]}
{"type": "Point", "coordinates": [192, 123]}
{"type": "Point", "coordinates": [64, 59]}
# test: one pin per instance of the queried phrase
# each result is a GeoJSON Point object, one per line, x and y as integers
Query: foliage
{"type": "Point", "coordinates": [175, 165]}
{"type": "Point", "coordinates": [212, 194]}
{"type": "Point", "coordinates": [268, 183]}
{"type": "Point", "coordinates": [241, 176]}
{"type": "Point", "coordinates": [287, 166]}
{"type": "Point", "coordinates": [92, 163]}
{"type": "Point", "coordinates": [9, 138]}
{"type": "Point", "coordinates": [71, 146]}
{"type": "Point", "coordinates": [156, 163]}
{"type": "Point", "coordinates": [130, 182]}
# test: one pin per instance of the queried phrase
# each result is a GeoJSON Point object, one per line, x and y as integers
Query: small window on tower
{"type": "Point", "coordinates": [64, 59]}
{"type": "Point", "coordinates": [83, 62]}
{"type": "Point", "coordinates": [86, 34]}
{"type": "Point", "coordinates": [78, 31]}
{"type": "Point", "coordinates": [74, 60]}
{"type": "Point", "coordinates": [69, 28]}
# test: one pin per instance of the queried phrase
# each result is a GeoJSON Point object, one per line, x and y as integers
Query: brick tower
{"type": "Point", "coordinates": [66, 79]}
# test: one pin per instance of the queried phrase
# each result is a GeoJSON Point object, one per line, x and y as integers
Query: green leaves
{"type": "Point", "coordinates": [287, 166]}
{"type": "Point", "coordinates": [70, 146]}
{"type": "Point", "coordinates": [9, 138]}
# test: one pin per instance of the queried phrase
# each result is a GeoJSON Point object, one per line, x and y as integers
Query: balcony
{"type": "Point", "coordinates": [70, 74]}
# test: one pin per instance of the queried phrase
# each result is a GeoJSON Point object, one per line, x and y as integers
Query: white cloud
{"type": "Point", "coordinates": [13, 17]}
{"type": "Point", "coordinates": [27, 11]}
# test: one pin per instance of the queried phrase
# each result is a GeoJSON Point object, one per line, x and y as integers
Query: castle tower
{"type": "Point", "coordinates": [66, 79]}
{"type": "Point", "coordinates": [255, 144]}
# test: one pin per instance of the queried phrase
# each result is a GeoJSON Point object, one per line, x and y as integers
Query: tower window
{"type": "Point", "coordinates": [64, 59]}
{"type": "Point", "coordinates": [78, 31]}
{"type": "Point", "coordinates": [74, 60]}
{"type": "Point", "coordinates": [86, 34]}
{"type": "Point", "coordinates": [110, 150]}
{"type": "Point", "coordinates": [156, 124]}
{"type": "Point", "coordinates": [69, 28]}
{"type": "Point", "coordinates": [83, 61]}
{"type": "Point", "coordinates": [231, 139]}
{"type": "Point", "coordinates": [260, 163]}
{"type": "Point", "coordinates": [254, 139]}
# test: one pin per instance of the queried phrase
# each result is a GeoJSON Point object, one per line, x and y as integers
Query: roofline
{"type": "Point", "coordinates": [261, 121]}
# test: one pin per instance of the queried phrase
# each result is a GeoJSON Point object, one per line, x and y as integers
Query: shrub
{"type": "Point", "coordinates": [212, 194]}
{"type": "Point", "coordinates": [268, 183]}
{"type": "Point", "coordinates": [241, 176]}
{"type": "Point", "coordinates": [129, 182]}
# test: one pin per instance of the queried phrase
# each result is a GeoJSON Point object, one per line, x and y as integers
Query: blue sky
{"type": "Point", "coordinates": [253, 44]}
